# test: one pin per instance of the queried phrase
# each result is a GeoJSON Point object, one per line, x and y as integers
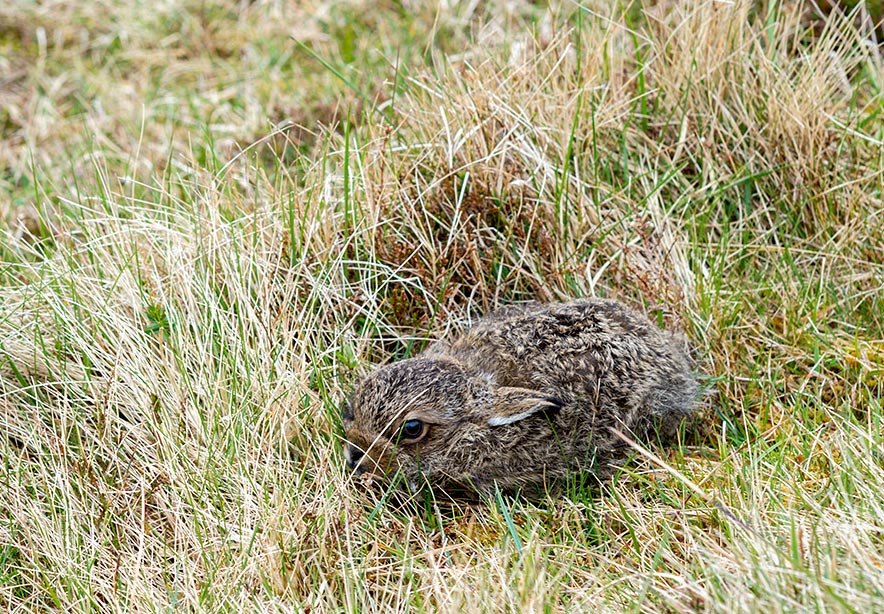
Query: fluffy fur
{"type": "Point", "coordinates": [527, 395]}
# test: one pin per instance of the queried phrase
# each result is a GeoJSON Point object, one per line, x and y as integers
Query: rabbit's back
{"type": "Point", "coordinates": [583, 336]}
{"type": "Point", "coordinates": [609, 364]}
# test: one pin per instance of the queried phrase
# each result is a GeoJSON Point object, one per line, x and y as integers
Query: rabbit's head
{"type": "Point", "coordinates": [434, 422]}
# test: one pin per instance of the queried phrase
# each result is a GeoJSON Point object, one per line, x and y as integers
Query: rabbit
{"type": "Point", "coordinates": [527, 396]}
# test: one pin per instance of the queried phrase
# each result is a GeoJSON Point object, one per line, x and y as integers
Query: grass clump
{"type": "Point", "coordinates": [219, 216]}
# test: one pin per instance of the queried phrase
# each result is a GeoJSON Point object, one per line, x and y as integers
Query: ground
{"type": "Point", "coordinates": [218, 215]}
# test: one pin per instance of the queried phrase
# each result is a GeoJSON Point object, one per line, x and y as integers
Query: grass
{"type": "Point", "coordinates": [218, 216]}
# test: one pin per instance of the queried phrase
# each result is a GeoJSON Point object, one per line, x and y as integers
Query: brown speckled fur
{"type": "Point", "coordinates": [529, 394]}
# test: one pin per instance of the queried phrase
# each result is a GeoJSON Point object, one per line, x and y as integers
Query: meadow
{"type": "Point", "coordinates": [217, 216]}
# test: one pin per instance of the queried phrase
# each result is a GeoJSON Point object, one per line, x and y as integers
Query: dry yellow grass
{"type": "Point", "coordinates": [218, 216]}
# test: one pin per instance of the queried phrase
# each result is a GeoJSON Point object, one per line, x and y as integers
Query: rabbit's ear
{"type": "Point", "coordinates": [515, 404]}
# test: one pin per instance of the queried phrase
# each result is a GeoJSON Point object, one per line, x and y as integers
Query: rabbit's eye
{"type": "Point", "coordinates": [412, 430]}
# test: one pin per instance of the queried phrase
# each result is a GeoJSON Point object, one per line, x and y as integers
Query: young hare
{"type": "Point", "coordinates": [528, 395]}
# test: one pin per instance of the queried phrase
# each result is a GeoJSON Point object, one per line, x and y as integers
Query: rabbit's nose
{"type": "Point", "coordinates": [354, 455]}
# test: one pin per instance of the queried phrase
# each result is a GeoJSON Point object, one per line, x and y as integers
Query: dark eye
{"type": "Point", "coordinates": [412, 429]}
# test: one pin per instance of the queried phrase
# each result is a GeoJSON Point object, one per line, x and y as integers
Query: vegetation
{"type": "Point", "coordinates": [217, 215]}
